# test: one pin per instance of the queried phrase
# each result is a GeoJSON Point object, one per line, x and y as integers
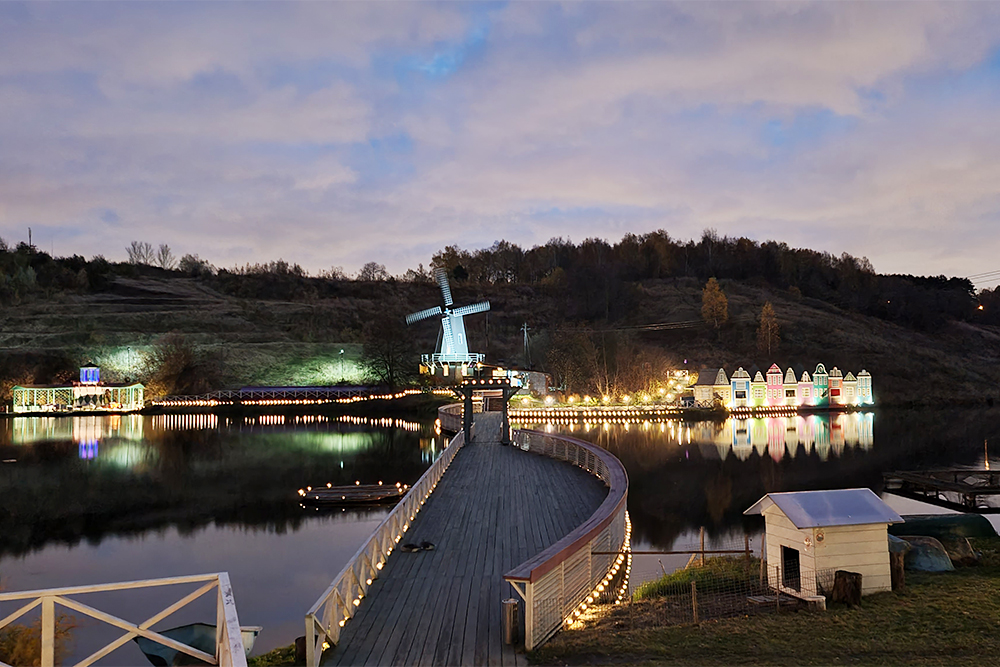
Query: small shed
{"type": "Point", "coordinates": [811, 534]}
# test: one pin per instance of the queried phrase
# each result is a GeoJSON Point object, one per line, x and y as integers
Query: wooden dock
{"type": "Point", "coordinates": [496, 507]}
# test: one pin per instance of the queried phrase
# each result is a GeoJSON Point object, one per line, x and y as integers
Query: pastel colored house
{"type": "Point", "coordinates": [722, 389]}
{"type": "Point", "coordinates": [741, 388]}
{"type": "Point", "coordinates": [791, 388]}
{"type": "Point", "coordinates": [775, 389]}
{"type": "Point", "coordinates": [865, 396]}
{"type": "Point", "coordinates": [821, 386]}
{"type": "Point", "coordinates": [758, 390]}
{"type": "Point", "coordinates": [836, 380]}
{"type": "Point", "coordinates": [805, 389]}
{"type": "Point", "coordinates": [811, 534]}
{"type": "Point", "coordinates": [850, 389]}
{"type": "Point", "coordinates": [710, 381]}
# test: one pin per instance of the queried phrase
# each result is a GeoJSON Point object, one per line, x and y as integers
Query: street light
{"type": "Point", "coordinates": [342, 366]}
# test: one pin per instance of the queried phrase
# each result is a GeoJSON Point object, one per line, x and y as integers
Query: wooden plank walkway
{"type": "Point", "coordinates": [495, 508]}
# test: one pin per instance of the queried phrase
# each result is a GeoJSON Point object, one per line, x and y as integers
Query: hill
{"type": "Point", "coordinates": [185, 333]}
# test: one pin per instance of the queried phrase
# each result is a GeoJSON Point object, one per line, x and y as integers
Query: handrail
{"type": "Point", "coordinates": [589, 564]}
{"type": "Point", "coordinates": [229, 651]}
{"type": "Point", "coordinates": [450, 417]}
{"type": "Point", "coordinates": [339, 602]}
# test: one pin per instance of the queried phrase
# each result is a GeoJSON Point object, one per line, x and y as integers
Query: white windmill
{"type": "Point", "coordinates": [452, 346]}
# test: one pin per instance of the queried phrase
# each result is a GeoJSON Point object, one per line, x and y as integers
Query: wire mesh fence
{"type": "Point", "coordinates": [719, 580]}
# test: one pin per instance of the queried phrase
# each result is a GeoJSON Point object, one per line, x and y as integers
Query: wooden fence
{"type": "Point", "coordinates": [228, 644]}
{"type": "Point", "coordinates": [589, 565]}
{"type": "Point", "coordinates": [340, 600]}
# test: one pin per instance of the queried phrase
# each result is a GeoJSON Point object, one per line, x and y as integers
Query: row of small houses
{"type": "Point", "coordinates": [782, 388]}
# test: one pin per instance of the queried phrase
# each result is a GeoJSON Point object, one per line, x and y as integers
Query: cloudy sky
{"type": "Point", "coordinates": [339, 133]}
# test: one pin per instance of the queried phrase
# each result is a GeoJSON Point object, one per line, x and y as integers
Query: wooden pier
{"type": "Point", "coordinates": [496, 507]}
{"type": "Point", "coordinates": [959, 489]}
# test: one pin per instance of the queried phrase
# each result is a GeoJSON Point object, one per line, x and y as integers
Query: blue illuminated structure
{"type": "Point", "coordinates": [90, 374]}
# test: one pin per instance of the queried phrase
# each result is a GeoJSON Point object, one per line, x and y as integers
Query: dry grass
{"type": "Point", "coordinates": [940, 619]}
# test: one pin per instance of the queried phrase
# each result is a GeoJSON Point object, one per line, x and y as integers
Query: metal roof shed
{"type": "Point", "coordinates": [811, 534]}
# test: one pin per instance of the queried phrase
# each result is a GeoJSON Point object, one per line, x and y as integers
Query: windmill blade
{"type": "Point", "coordinates": [442, 277]}
{"type": "Point", "coordinates": [471, 310]}
{"type": "Point", "coordinates": [448, 345]}
{"type": "Point", "coordinates": [423, 314]}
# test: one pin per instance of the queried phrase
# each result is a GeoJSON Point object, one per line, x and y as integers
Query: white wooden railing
{"type": "Point", "coordinates": [592, 563]}
{"type": "Point", "coordinates": [339, 602]}
{"type": "Point", "coordinates": [228, 643]}
{"type": "Point", "coordinates": [450, 417]}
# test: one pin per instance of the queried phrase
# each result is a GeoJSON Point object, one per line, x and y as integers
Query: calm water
{"type": "Point", "coordinates": [687, 475]}
{"type": "Point", "coordinates": [90, 500]}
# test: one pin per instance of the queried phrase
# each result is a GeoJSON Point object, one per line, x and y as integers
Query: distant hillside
{"type": "Point", "coordinates": [218, 336]}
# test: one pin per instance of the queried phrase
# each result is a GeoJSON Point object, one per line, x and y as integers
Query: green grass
{"type": "Point", "coordinates": [717, 574]}
{"type": "Point", "coordinates": [940, 619]}
{"type": "Point", "coordinates": [283, 656]}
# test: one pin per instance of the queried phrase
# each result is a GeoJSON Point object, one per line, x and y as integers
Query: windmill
{"type": "Point", "coordinates": [452, 346]}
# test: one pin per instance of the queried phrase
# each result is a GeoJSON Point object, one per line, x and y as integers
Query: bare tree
{"type": "Point", "coordinates": [768, 335]}
{"type": "Point", "coordinates": [387, 355]}
{"type": "Point", "coordinates": [373, 271]}
{"type": "Point", "coordinates": [140, 252]}
{"type": "Point", "coordinates": [165, 258]}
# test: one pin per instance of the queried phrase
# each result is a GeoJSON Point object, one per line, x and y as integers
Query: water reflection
{"type": "Point", "coordinates": [70, 478]}
{"type": "Point", "coordinates": [776, 437]}
{"type": "Point", "coordinates": [97, 499]}
{"type": "Point", "coordinates": [685, 475]}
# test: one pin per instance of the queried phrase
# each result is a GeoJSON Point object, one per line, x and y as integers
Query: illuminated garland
{"type": "Point", "coordinates": [624, 560]}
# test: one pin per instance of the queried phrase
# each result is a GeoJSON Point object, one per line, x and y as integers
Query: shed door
{"type": "Point", "coordinates": [790, 568]}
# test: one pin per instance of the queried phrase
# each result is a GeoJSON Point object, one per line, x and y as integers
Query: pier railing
{"type": "Point", "coordinates": [450, 417]}
{"type": "Point", "coordinates": [339, 602]}
{"type": "Point", "coordinates": [228, 643]}
{"type": "Point", "coordinates": [591, 564]}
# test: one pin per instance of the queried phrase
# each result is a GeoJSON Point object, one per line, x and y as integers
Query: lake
{"type": "Point", "coordinates": [88, 500]}
{"type": "Point", "coordinates": [98, 499]}
{"type": "Point", "coordinates": [684, 476]}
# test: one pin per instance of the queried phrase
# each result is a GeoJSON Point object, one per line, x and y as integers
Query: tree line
{"type": "Point", "coordinates": [600, 272]}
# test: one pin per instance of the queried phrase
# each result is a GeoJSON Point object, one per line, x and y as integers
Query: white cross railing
{"type": "Point", "coordinates": [228, 640]}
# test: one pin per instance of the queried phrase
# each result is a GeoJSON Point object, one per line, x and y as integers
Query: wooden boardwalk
{"type": "Point", "coordinates": [495, 508]}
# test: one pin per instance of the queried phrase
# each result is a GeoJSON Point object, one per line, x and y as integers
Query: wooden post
{"type": "Point", "coordinates": [48, 632]}
{"type": "Point", "coordinates": [897, 572]}
{"type": "Point", "coordinates": [847, 587]}
{"type": "Point", "coordinates": [702, 535]}
{"type": "Point", "coordinates": [694, 600]}
{"type": "Point", "coordinates": [467, 414]}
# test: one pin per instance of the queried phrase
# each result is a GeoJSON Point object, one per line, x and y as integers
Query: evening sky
{"type": "Point", "coordinates": [339, 133]}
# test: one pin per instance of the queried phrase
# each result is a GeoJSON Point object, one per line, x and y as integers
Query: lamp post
{"type": "Point", "coordinates": [341, 366]}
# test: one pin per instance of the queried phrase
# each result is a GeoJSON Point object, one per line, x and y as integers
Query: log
{"type": "Point", "coordinates": [897, 570]}
{"type": "Point", "coordinates": [847, 587]}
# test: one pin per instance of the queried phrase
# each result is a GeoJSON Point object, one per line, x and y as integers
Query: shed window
{"type": "Point", "coordinates": [790, 568]}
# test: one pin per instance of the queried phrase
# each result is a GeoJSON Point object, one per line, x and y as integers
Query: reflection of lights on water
{"type": "Point", "coordinates": [774, 436]}
{"type": "Point", "coordinates": [88, 450]}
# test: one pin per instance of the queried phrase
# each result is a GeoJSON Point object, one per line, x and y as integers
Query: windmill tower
{"type": "Point", "coordinates": [453, 346]}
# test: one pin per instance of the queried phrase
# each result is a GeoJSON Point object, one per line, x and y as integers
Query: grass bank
{"type": "Point", "coordinates": [940, 619]}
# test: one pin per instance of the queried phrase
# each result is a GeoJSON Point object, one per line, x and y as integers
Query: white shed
{"type": "Point", "coordinates": [811, 534]}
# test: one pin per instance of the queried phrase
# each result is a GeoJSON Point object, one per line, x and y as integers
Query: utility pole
{"type": "Point", "coordinates": [527, 353]}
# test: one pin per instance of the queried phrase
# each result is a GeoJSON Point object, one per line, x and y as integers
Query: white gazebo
{"type": "Point", "coordinates": [811, 534]}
